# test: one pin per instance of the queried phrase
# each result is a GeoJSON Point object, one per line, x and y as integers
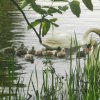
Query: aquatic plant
{"type": "Point", "coordinates": [10, 80]}
{"type": "Point", "coordinates": [82, 83]}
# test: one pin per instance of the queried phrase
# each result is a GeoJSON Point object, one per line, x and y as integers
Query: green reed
{"type": "Point", "coordinates": [9, 81]}
{"type": "Point", "coordinates": [81, 83]}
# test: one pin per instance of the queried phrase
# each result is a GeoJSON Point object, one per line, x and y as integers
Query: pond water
{"type": "Point", "coordinates": [13, 28]}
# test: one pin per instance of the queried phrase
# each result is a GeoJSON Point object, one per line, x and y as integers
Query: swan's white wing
{"type": "Point", "coordinates": [53, 44]}
{"type": "Point", "coordinates": [61, 40]}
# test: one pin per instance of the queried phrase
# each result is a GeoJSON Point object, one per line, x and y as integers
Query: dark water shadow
{"type": "Point", "coordinates": [11, 80]}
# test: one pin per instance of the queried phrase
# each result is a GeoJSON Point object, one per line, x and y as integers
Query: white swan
{"type": "Point", "coordinates": [65, 41]}
{"type": "Point", "coordinates": [86, 39]}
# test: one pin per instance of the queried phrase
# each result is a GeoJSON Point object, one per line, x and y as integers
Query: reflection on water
{"type": "Point", "coordinates": [5, 27]}
{"type": "Point", "coordinates": [9, 25]}
{"type": "Point", "coordinates": [10, 77]}
{"type": "Point", "coordinates": [10, 71]}
{"type": "Point", "coordinates": [13, 28]}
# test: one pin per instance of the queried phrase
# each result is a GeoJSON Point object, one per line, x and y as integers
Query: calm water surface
{"type": "Point", "coordinates": [13, 28]}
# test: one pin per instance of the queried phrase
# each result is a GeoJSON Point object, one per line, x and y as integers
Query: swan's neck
{"type": "Point", "coordinates": [95, 30]}
{"type": "Point", "coordinates": [95, 49]}
{"type": "Point", "coordinates": [94, 54]}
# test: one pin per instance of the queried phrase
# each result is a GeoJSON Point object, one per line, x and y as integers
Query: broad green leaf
{"type": "Point", "coordinates": [35, 23]}
{"type": "Point", "coordinates": [45, 27]}
{"type": "Point", "coordinates": [63, 8]}
{"type": "Point", "coordinates": [60, 0]}
{"type": "Point", "coordinates": [38, 8]}
{"type": "Point", "coordinates": [75, 7]}
{"type": "Point", "coordinates": [88, 4]}
{"type": "Point", "coordinates": [24, 4]}
{"type": "Point", "coordinates": [56, 25]}
{"type": "Point", "coordinates": [52, 10]}
{"type": "Point", "coordinates": [53, 19]}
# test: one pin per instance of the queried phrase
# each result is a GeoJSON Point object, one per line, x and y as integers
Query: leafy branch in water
{"type": "Point", "coordinates": [15, 3]}
{"type": "Point", "coordinates": [44, 22]}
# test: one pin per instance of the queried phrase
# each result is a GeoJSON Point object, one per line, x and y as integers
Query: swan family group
{"type": "Point", "coordinates": [56, 46]}
{"type": "Point", "coordinates": [89, 45]}
{"type": "Point", "coordinates": [28, 55]}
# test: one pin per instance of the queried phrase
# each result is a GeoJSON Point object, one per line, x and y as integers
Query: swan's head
{"type": "Point", "coordinates": [95, 30]}
{"type": "Point", "coordinates": [88, 46]}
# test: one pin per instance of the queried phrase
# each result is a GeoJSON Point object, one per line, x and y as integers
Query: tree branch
{"type": "Point", "coordinates": [15, 3]}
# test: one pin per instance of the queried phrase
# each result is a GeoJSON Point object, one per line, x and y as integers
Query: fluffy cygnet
{"type": "Point", "coordinates": [22, 50]}
{"type": "Point", "coordinates": [47, 53]}
{"type": "Point", "coordinates": [32, 51]}
{"type": "Point", "coordinates": [38, 53]}
{"type": "Point", "coordinates": [60, 53]}
{"type": "Point", "coordinates": [84, 52]}
{"type": "Point", "coordinates": [29, 57]}
{"type": "Point", "coordinates": [9, 50]}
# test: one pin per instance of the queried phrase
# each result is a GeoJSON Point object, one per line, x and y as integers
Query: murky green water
{"type": "Point", "coordinates": [13, 28]}
{"type": "Point", "coordinates": [5, 26]}
{"type": "Point", "coordinates": [10, 71]}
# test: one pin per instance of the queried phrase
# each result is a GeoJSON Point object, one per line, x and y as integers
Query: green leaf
{"type": "Point", "coordinates": [45, 27]}
{"type": "Point", "coordinates": [75, 7]}
{"type": "Point", "coordinates": [24, 3]}
{"type": "Point", "coordinates": [52, 10]}
{"type": "Point", "coordinates": [59, 0]}
{"type": "Point", "coordinates": [63, 8]}
{"type": "Point", "coordinates": [56, 25]}
{"type": "Point", "coordinates": [35, 23]}
{"type": "Point", "coordinates": [38, 8]}
{"type": "Point", "coordinates": [53, 19]}
{"type": "Point", "coordinates": [88, 4]}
